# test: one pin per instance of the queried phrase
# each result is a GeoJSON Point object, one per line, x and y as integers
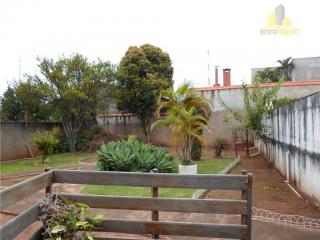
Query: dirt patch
{"type": "Point", "coordinates": [269, 190]}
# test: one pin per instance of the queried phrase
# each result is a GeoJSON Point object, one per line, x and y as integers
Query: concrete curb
{"type": "Point", "coordinates": [200, 192]}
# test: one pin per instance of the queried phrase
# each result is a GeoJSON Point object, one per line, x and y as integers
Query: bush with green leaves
{"type": "Point", "coordinates": [63, 220]}
{"type": "Point", "coordinates": [134, 156]}
{"type": "Point", "coordinates": [86, 135]}
{"type": "Point", "coordinates": [196, 150]}
{"type": "Point", "coordinates": [219, 144]}
{"type": "Point", "coordinates": [45, 142]}
{"type": "Point", "coordinates": [82, 140]}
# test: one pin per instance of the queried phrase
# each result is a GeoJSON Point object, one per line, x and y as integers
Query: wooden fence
{"type": "Point", "coordinates": [242, 207]}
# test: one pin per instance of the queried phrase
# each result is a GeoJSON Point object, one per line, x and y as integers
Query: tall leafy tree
{"type": "Point", "coordinates": [26, 101]}
{"type": "Point", "coordinates": [143, 73]}
{"type": "Point", "coordinates": [74, 83]}
{"type": "Point", "coordinates": [34, 99]}
{"type": "Point", "coordinates": [10, 105]}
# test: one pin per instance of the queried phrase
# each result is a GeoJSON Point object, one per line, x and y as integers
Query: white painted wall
{"type": "Point", "coordinates": [295, 149]}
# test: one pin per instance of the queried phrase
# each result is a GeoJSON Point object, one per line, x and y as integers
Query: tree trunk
{"type": "Point", "coordinates": [145, 127]}
{"type": "Point", "coordinates": [71, 131]}
{"type": "Point", "coordinates": [247, 142]}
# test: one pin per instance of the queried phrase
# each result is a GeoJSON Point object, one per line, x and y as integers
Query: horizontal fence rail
{"type": "Point", "coordinates": [19, 191]}
{"type": "Point", "coordinates": [223, 182]}
{"type": "Point", "coordinates": [174, 228]}
{"type": "Point", "coordinates": [242, 183]}
{"type": "Point", "coordinates": [221, 206]}
{"type": "Point", "coordinates": [16, 225]}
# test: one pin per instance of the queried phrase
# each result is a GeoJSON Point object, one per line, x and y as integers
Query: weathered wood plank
{"type": "Point", "coordinates": [217, 206]}
{"type": "Point", "coordinates": [244, 196]}
{"type": "Point", "coordinates": [16, 225]}
{"type": "Point", "coordinates": [249, 205]}
{"type": "Point", "coordinates": [200, 181]}
{"type": "Point", "coordinates": [174, 228]}
{"type": "Point", "coordinates": [21, 190]}
{"type": "Point", "coordinates": [103, 238]}
{"type": "Point", "coordinates": [37, 234]}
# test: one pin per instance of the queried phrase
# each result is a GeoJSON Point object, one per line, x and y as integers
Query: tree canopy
{"type": "Point", "coordinates": [143, 73]}
{"type": "Point", "coordinates": [26, 100]}
{"type": "Point", "coordinates": [74, 83]}
{"type": "Point", "coordinates": [69, 89]}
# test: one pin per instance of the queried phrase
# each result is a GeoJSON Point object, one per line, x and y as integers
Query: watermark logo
{"type": "Point", "coordinates": [279, 24]}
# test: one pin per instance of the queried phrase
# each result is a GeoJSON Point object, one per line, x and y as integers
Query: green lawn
{"type": "Point", "coordinates": [204, 167]}
{"type": "Point", "coordinates": [23, 165]}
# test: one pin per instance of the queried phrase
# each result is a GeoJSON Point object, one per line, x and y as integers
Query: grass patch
{"type": "Point", "coordinates": [204, 167]}
{"type": "Point", "coordinates": [56, 160]}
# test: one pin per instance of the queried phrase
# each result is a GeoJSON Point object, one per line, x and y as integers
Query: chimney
{"type": "Point", "coordinates": [227, 77]}
{"type": "Point", "coordinates": [216, 71]}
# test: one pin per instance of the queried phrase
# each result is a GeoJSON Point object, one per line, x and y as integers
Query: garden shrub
{"type": "Point", "coordinates": [62, 146]}
{"type": "Point", "coordinates": [87, 135]}
{"type": "Point", "coordinates": [196, 149]}
{"type": "Point", "coordinates": [45, 141]}
{"type": "Point", "coordinates": [134, 156]}
{"type": "Point", "coordinates": [83, 139]}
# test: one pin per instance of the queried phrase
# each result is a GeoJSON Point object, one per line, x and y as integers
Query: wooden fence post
{"type": "Point", "coordinates": [244, 195]}
{"type": "Point", "coordinates": [247, 195]}
{"type": "Point", "coordinates": [249, 205]}
{"type": "Point", "coordinates": [155, 214]}
{"type": "Point", "coordinates": [49, 188]}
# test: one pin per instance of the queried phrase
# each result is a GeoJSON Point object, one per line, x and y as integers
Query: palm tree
{"type": "Point", "coordinates": [185, 125]}
{"type": "Point", "coordinates": [185, 96]}
{"type": "Point", "coordinates": [179, 105]}
{"type": "Point", "coordinates": [286, 66]}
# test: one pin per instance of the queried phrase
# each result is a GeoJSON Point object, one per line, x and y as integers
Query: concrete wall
{"type": "Point", "coordinates": [305, 69]}
{"type": "Point", "coordinates": [295, 146]}
{"type": "Point", "coordinates": [217, 126]}
{"type": "Point", "coordinates": [15, 136]}
{"type": "Point", "coordinates": [123, 126]}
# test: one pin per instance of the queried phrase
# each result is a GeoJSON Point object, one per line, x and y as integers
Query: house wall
{"type": "Point", "coordinates": [305, 69]}
{"type": "Point", "coordinates": [220, 122]}
{"type": "Point", "coordinates": [294, 148]}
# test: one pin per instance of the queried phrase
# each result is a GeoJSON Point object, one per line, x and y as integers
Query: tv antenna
{"type": "Point", "coordinates": [209, 79]}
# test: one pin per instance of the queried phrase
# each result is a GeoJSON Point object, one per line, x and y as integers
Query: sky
{"type": "Point", "coordinates": [186, 30]}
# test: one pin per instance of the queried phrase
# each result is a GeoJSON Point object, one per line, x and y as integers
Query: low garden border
{"type": "Point", "coordinates": [200, 192]}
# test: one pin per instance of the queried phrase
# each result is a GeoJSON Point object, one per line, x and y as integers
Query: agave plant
{"type": "Point", "coordinates": [134, 156]}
